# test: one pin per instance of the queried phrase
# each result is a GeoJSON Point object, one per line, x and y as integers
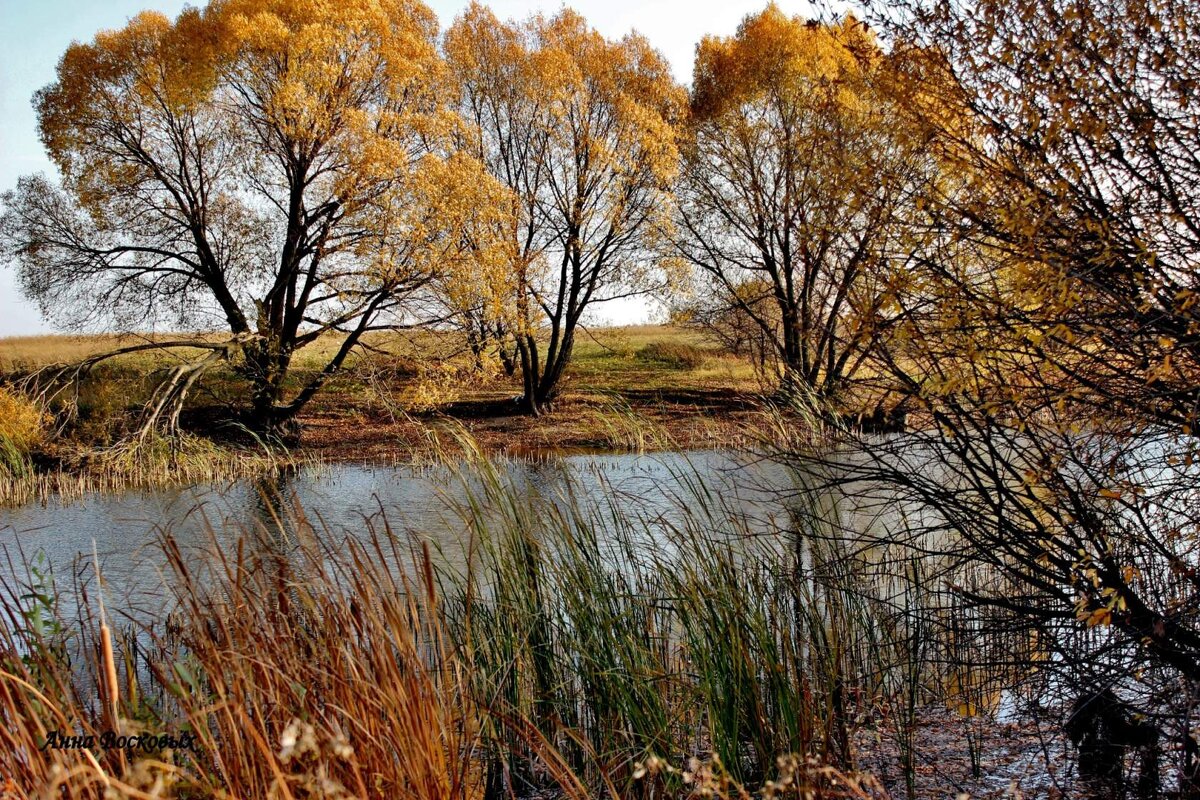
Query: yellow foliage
{"type": "Point", "coordinates": [439, 383]}
{"type": "Point", "coordinates": [307, 64]}
{"type": "Point", "coordinates": [22, 422]}
{"type": "Point", "coordinates": [797, 198]}
{"type": "Point", "coordinates": [580, 130]}
{"type": "Point", "coordinates": [794, 60]}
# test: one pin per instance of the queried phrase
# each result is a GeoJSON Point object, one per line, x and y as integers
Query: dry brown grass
{"type": "Point", "coordinates": [297, 678]}
{"type": "Point", "coordinates": [322, 671]}
{"type": "Point", "coordinates": [20, 354]}
{"type": "Point", "coordinates": [152, 463]}
{"type": "Point", "coordinates": [597, 350]}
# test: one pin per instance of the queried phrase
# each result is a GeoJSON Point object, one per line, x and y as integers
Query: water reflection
{"type": "Point", "coordinates": [328, 505]}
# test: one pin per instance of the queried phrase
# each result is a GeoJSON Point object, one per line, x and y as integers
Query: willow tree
{"type": "Point", "coordinates": [796, 185]}
{"type": "Point", "coordinates": [1076, 252]}
{"type": "Point", "coordinates": [580, 131]}
{"type": "Point", "coordinates": [279, 170]}
{"type": "Point", "coordinates": [1060, 357]}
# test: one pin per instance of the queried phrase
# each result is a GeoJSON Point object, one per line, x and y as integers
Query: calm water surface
{"type": "Point", "coordinates": [348, 500]}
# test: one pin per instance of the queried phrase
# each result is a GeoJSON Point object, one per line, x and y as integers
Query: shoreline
{"type": "Point", "coordinates": [633, 389]}
{"type": "Point", "coordinates": [578, 426]}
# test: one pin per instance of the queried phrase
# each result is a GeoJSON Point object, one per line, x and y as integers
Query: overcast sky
{"type": "Point", "coordinates": [34, 34]}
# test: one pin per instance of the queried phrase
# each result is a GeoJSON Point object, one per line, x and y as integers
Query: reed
{"type": "Point", "coordinates": [297, 677]}
{"type": "Point", "coordinates": [627, 639]}
{"type": "Point", "coordinates": [155, 460]}
{"type": "Point", "coordinates": [565, 648]}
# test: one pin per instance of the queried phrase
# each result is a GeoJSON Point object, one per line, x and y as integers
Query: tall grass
{"type": "Point", "coordinates": [298, 676]}
{"type": "Point", "coordinates": [22, 428]}
{"type": "Point", "coordinates": [624, 639]}
{"type": "Point", "coordinates": [565, 647]}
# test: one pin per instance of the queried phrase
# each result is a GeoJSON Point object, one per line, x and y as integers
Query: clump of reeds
{"type": "Point", "coordinates": [156, 459]}
{"type": "Point", "coordinates": [336, 668]}
{"type": "Point", "coordinates": [567, 646]}
{"type": "Point", "coordinates": [621, 638]}
{"type": "Point", "coordinates": [297, 675]}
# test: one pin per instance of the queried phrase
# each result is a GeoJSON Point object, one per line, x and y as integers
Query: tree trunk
{"type": "Point", "coordinates": [477, 344]}
{"type": "Point", "coordinates": [528, 354]}
{"type": "Point", "coordinates": [508, 359]}
{"type": "Point", "coordinates": [547, 385]}
{"type": "Point", "coordinates": [266, 367]}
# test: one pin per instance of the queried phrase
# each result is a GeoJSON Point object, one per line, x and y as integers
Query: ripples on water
{"type": "Point", "coordinates": [349, 500]}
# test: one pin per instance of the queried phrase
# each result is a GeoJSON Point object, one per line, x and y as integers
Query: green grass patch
{"type": "Point", "coordinates": [674, 355]}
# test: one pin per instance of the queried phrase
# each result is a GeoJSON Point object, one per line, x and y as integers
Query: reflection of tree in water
{"type": "Point", "coordinates": [274, 506]}
{"type": "Point", "coordinates": [277, 538]}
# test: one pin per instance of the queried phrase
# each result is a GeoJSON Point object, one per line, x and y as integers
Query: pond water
{"type": "Point", "coordinates": [342, 501]}
{"type": "Point", "coordinates": [748, 500]}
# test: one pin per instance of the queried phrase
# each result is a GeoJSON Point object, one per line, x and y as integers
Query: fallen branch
{"type": "Point", "coordinates": [48, 384]}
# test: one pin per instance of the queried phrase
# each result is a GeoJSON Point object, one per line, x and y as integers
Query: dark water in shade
{"type": "Point", "coordinates": [346, 500]}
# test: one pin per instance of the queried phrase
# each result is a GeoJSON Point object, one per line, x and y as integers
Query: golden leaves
{"type": "Point", "coordinates": [580, 129]}
{"type": "Point", "coordinates": [149, 66]}
{"type": "Point", "coordinates": [306, 65]}
{"type": "Point", "coordinates": [322, 126]}
{"type": "Point", "coordinates": [797, 61]}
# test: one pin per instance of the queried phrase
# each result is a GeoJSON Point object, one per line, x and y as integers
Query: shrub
{"type": "Point", "coordinates": [22, 429]}
{"type": "Point", "coordinates": [22, 421]}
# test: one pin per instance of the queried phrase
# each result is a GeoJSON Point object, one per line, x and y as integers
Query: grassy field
{"type": "Point", "coordinates": [20, 354]}
{"type": "Point", "coordinates": [626, 388]}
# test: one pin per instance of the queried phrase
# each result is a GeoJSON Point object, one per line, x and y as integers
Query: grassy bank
{"type": "Point", "coordinates": [577, 650]}
{"type": "Point", "coordinates": [410, 379]}
{"type": "Point", "coordinates": [638, 388]}
{"type": "Point", "coordinates": [626, 387]}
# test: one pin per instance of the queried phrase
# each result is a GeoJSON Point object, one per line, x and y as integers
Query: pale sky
{"type": "Point", "coordinates": [34, 34]}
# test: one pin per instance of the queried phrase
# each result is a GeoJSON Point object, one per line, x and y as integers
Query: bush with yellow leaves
{"type": "Point", "coordinates": [22, 429]}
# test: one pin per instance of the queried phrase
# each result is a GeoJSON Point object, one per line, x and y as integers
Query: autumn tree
{"type": "Point", "coordinates": [1053, 342]}
{"type": "Point", "coordinates": [580, 130]}
{"type": "Point", "coordinates": [475, 298]}
{"type": "Point", "coordinates": [794, 190]}
{"type": "Point", "coordinates": [1070, 270]}
{"type": "Point", "coordinates": [279, 170]}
